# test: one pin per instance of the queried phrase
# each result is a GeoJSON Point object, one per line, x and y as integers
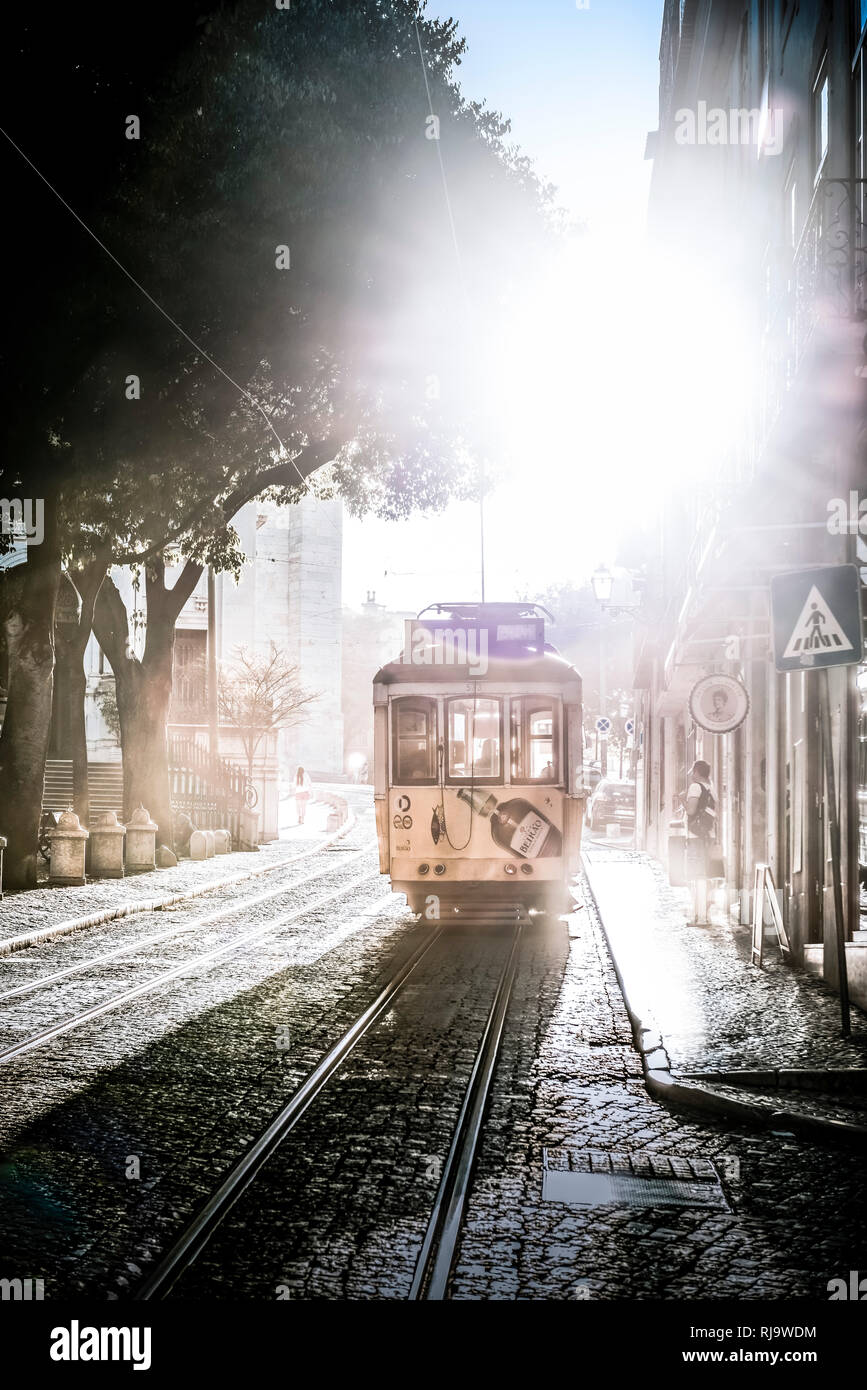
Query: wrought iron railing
{"type": "Point", "coordinates": [210, 790]}
{"type": "Point", "coordinates": [824, 280]}
{"type": "Point", "coordinates": [188, 703]}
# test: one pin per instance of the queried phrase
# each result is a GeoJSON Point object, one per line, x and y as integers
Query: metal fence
{"type": "Point", "coordinates": [210, 790]}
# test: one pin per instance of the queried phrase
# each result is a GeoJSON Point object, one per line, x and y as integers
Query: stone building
{"type": "Point", "coordinates": [372, 636]}
{"type": "Point", "coordinates": [759, 172]}
{"type": "Point", "coordinates": [289, 593]}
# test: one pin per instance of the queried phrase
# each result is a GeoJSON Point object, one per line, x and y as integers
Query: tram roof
{"type": "Point", "coordinates": [547, 666]}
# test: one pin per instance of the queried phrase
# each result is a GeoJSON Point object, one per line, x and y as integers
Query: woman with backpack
{"type": "Point", "coordinates": [700, 804]}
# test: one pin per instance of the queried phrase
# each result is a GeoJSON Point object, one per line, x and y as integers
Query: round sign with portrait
{"type": "Point", "coordinates": [719, 703]}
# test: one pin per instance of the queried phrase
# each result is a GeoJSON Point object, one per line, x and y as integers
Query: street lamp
{"type": "Point", "coordinates": [602, 582]}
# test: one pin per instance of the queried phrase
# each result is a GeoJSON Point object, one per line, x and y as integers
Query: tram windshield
{"type": "Point", "coordinates": [475, 739]}
{"type": "Point", "coordinates": [535, 741]}
{"type": "Point", "coordinates": [414, 741]}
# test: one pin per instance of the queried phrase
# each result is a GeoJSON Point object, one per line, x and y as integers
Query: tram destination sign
{"type": "Point", "coordinates": [816, 616]}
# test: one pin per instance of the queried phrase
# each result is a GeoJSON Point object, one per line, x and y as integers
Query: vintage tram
{"type": "Point", "coordinates": [478, 762]}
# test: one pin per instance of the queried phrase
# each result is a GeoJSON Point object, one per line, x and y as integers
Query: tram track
{"type": "Point", "coordinates": [41, 936]}
{"type": "Point", "coordinates": [172, 933]}
{"type": "Point", "coordinates": [442, 1233]}
{"type": "Point", "coordinates": [106, 1006]}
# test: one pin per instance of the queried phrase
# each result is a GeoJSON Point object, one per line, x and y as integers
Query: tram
{"type": "Point", "coordinates": [478, 761]}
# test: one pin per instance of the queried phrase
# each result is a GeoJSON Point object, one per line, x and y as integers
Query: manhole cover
{"type": "Point", "coordinates": [591, 1178]}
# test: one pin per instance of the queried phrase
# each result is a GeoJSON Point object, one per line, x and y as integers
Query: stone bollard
{"type": "Point", "coordinates": [141, 839]}
{"type": "Point", "coordinates": [222, 841]}
{"type": "Point", "coordinates": [106, 846]}
{"type": "Point", "coordinates": [198, 845]}
{"type": "Point", "coordinates": [68, 841]}
{"type": "Point", "coordinates": [250, 830]}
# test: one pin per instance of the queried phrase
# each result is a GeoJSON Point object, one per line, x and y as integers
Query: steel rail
{"type": "Point", "coordinates": [209, 1217]}
{"type": "Point", "coordinates": [41, 935]}
{"type": "Point", "coordinates": [75, 1021]}
{"type": "Point", "coordinates": [433, 1268]}
{"type": "Point", "coordinates": [207, 918]}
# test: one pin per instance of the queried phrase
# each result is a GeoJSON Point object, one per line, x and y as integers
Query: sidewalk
{"type": "Point", "coordinates": [715, 1031]}
{"type": "Point", "coordinates": [40, 913]}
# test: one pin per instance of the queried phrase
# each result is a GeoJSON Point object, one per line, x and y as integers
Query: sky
{"type": "Point", "coordinates": [580, 86]}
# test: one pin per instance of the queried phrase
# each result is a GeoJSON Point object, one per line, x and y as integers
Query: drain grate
{"type": "Point", "coordinates": [591, 1178]}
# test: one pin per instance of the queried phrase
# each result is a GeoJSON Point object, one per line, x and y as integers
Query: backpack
{"type": "Point", "coordinates": [703, 822]}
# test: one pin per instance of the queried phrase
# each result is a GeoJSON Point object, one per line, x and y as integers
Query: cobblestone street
{"type": "Point", "coordinates": [117, 1129]}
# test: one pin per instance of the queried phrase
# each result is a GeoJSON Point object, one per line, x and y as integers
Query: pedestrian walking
{"type": "Point", "coordinates": [700, 805]}
{"type": "Point", "coordinates": [302, 793]}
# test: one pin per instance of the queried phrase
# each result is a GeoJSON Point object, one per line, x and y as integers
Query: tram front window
{"type": "Point", "coordinates": [474, 739]}
{"type": "Point", "coordinates": [535, 745]}
{"type": "Point", "coordinates": [414, 742]}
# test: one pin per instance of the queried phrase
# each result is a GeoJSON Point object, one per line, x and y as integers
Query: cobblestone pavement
{"type": "Point", "coordinates": [115, 1133]}
{"type": "Point", "coordinates": [40, 908]}
{"type": "Point", "coordinates": [696, 986]}
{"type": "Point", "coordinates": [569, 1078]}
{"type": "Point", "coordinates": [151, 944]}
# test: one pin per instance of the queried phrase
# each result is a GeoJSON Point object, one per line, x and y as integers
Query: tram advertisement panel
{"type": "Point", "coordinates": [477, 822]}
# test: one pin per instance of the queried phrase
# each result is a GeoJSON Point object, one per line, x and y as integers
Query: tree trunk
{"type": "Point", "coordinates": [144, 688]}
{"type": "Point", "coordinates": [143, 706]}
{"type": "Point", "coordinates": [71, 643]}
{"type": "Point", "coordinates": [70, 659]}
{"type": "Point", "coordinates": [29, 593]}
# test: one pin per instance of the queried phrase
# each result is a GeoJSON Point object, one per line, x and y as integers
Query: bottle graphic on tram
{"type": "Point", "coordinates": [516, 825]}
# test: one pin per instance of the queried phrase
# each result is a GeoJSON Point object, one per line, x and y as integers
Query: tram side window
{"type": "Point", "coordinates": [535, 742]}
{"type": "Point", "coordinates": [474, 740]}
{"type": "Point", "coordinates": [414, 741]}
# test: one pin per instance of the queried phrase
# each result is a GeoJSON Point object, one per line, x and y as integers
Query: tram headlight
{"type": "Point", "coordinates": [424, 868]}
{"type": "Point", "coordinates": [439, 868]}
{"type": "Point", "coordinates": [526, 868]}
{"type": "Point", "coordinates": [510, 868]}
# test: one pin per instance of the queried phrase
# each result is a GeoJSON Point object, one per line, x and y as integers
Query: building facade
{"type": "Point", "coordinates": [760, 169]}
{"type": "Point", "coordinates": [288, 594]}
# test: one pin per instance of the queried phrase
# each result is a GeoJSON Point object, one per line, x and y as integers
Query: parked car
{"type": "Point", "coordinates": [612, 802]}
{"type": "Point", "coordinates": [592, 775]}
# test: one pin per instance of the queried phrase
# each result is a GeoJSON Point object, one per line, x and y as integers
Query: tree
{"type": "Point", "coordinates": [259, 694]}
{"type": "Point", "coordinates": [286, 206]}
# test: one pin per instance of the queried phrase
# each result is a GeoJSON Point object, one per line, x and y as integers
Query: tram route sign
{"type": "Point", "coordinates": [816, 615]}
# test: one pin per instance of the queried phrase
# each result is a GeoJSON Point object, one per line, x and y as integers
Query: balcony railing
{"type": "Point", "coordinates": [188, 703]}
{"type": "Point", "coordinates": [830, 263]}
{"type": "Point", "coordinates": [823, 282]}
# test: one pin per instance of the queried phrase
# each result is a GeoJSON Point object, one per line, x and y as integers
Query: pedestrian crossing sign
{"type": "Point", "coordinates": [817, 618]}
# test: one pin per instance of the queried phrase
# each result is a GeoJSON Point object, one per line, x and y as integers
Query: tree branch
{"type": "Point", "coordinates": [283, 474]}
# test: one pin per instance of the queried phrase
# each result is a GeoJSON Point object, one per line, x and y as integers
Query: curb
{"type": "Point", "coordinates": [663, 1086]}
{"type": "Point", "coordinates": [852, 1079]}
{"type": "Point", "coordinates": [110, 914]}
